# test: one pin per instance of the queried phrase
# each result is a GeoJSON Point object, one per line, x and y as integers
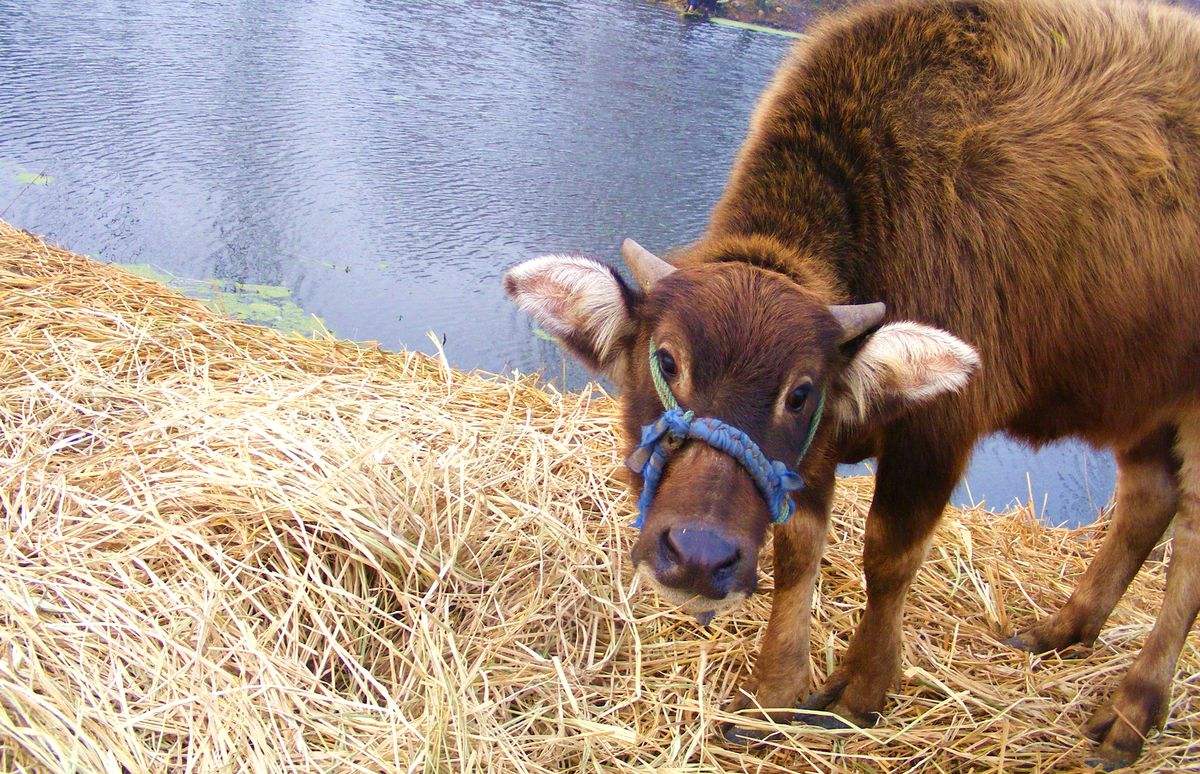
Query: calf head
{"type": "Point", "coordinates": [752, 348]}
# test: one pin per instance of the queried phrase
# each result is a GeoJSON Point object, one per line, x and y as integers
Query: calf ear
{"type": "Point", "coordinates": [582, 303]}
{"type": "Point", "coordinates": [906, 362]}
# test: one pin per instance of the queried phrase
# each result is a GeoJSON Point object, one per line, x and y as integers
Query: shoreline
{"type": "Point", "coordinates": [788, 17]}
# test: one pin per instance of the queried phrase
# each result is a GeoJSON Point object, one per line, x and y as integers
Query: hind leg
{"type": "Point", "coordinates": [1140, 702]}
{"type": "Point", "coordinates": [1147, 495]}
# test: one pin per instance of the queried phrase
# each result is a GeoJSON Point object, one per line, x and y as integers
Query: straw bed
{"type": "Point", "coordinates": [226, 548]}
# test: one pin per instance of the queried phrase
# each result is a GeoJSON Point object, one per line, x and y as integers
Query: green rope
{"type": "Point", "coordinates": [813, 424]}
{"type": "Point", "coordinates": [660, 382]}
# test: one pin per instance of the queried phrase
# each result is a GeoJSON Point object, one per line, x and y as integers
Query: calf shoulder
{"type": "Point", "coordinates": [1022, 173]}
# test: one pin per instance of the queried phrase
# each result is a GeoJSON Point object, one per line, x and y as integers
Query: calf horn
{"type": "Point", "coordinates": [647, 267]}
{"type": "Point", "coordinates": [857, 319]}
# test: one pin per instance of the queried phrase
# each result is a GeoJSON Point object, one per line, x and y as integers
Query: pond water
{"type": "Point", "coordinates": [385, 161]}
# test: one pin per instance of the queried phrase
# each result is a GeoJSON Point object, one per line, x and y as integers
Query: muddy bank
{"type": "Point", "coordinates": [792, 15]}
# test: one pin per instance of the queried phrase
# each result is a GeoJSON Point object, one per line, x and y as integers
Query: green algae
{"type": "Point", "coordinates": [33, 178]}
{"type": "Point", "coordinates": [269, 305]}
{"type": "Point", "coordinates": [266, 291]}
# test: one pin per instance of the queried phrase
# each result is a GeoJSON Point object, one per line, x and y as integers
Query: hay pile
{"type": "Point", "coordinates": [226, 548]}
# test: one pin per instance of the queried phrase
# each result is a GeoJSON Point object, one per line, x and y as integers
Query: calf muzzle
{"type": "Point", "coordinates": [701, 560]}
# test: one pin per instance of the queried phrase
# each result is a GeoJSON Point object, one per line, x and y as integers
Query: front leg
{"type": "Point", "coordinates": [917, 472]}
{"type": "Point", "coordinates": [783, 672]}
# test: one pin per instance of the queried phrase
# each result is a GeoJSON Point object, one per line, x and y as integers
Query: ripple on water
{"type": "Point", "coordinates": [385, 161]}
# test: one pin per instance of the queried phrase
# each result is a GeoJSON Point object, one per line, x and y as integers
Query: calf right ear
{"type": "Point", "coordinates": [582, 303]}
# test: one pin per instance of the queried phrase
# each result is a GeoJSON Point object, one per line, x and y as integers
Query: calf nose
{"type": "Point", "coordinates": [699, 560]}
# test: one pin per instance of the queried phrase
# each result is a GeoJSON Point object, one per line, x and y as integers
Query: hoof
{"type": "Point", "coordinates": [738, 735]}
{"type": "Point", "coordinates": [1017, 642]}
{"type": "Point", "coordinates": [1108, 764]}
{"type": "Point", "coordinates": [1069, 638]}
{"type": "Point", "coordinates": [1120, 727]}
{"type": "Point", "coordinates": [822, 720]}
{"type": "Point", "coordinates": [734, 734]}
{"type": "Point", "coordinates": [834, 716]}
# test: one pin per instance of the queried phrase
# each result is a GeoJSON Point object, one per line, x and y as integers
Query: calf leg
{"type": "Point", "coordinates": [916, 474]}
{"type": "Point", "coordinates": [1147, 494]}
{"type": "Point", "coordinates": [1140, 702]}
{"type": "Point", "coordinates": [782, 673]}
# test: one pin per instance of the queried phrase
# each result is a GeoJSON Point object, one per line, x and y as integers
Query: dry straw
{"type": "Point", "coordinates": [224, 548]}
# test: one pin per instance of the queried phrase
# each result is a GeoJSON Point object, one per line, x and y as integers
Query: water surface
{"type": "Point", "coordinates": [385, 161]}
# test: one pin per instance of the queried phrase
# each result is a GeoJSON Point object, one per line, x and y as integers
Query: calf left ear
{"type": "Point", "coordinates": [906, 362]}
{"type": "Point", "coordinates": [582, 303]}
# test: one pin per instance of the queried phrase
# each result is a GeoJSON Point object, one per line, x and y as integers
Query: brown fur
{"type": "Point", "coordinates": [1024, 174]}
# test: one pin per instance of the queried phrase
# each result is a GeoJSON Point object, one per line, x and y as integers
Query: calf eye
{"type": "Point", "coordinates": [796, 398]}
{"type": "Point", "coordinates": [667, 363]}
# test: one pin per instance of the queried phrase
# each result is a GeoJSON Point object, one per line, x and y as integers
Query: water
{"type": "Point", "coordinates": [385, 161]}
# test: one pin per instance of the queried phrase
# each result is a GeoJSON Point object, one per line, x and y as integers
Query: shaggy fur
{"type": "Point", "coordinates": [1025, 175]}
{"type": "Point", "coordinates": [1020, 176]}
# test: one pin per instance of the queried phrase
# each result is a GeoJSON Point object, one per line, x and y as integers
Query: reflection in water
{"type": "Point", "coordinates": [385, 161]}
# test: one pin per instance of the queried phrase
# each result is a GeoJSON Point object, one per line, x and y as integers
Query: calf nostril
{"type": "Point", "coordinates": [669, 549]}
{"type": "Point", "coordinates": [728, 564]}
{"type": "Point", "coordinates": [703, 551]}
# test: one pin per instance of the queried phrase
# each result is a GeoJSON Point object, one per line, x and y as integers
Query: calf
{"type": "Point", "coordinates": [950, 218]}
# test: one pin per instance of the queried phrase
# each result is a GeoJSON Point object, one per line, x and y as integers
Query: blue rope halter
{"type": "Point", "coordinates": [774, 479]}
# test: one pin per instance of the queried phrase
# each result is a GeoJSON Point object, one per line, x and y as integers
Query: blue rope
{"type": "Point", "coordinates": [775, 480]}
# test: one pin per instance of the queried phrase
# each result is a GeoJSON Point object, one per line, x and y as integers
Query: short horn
{"type": "Point", "coordinates": [647, 267]}
{"type": "Point", "coordinates": [857, 319]}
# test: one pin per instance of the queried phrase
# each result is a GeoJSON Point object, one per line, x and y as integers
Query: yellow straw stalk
{"type": "Point", "coordinates": [227, 548]}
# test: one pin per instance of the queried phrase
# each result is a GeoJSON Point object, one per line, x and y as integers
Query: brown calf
{"type": "Point", "coordinates": [1019, 182]}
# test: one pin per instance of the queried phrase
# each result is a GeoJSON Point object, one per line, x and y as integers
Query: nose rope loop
{"type": "Point", "coordinates": [774, 479]}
